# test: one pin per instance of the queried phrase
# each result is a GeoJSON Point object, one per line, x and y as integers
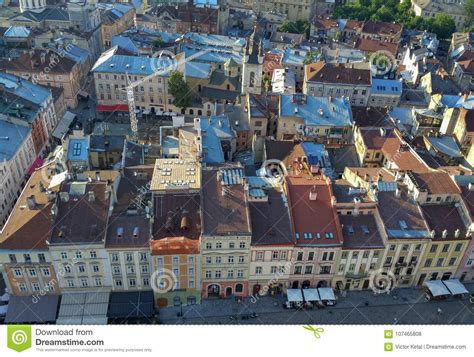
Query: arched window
{"type": "Point", "coordinates": [191, 112]}
{"type": "Point", "coordinates": [239, 288]}
{"type": "Point", "coordinates": [252, 80]}
{"type": "Point", "coordinates": [199, 112]}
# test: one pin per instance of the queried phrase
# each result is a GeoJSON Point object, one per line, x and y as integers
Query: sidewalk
{"type": "Point", "coordinates": [215, 311]}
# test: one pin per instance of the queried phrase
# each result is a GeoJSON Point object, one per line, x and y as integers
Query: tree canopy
{"type": "Point", "coordinates": [180, 90]}
{"type": "Point", "coordinates": [400, 12]}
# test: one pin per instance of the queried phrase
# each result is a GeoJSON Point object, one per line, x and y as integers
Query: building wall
{"type": "Point", "coordinates": [35, 276]}
{"type": "Point", "coordinates": [225, 266]}
{"type": "Point", "coordinates": [358, 95]}
{"type": "Point", "coordinates": [130, 268]}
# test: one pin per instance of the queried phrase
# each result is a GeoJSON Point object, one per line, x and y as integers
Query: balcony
{"type": "Point", "coordinates": [355, 276]}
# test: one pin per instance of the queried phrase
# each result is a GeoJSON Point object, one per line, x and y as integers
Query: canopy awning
{"type": "Point", "coordinates": [326, 294]}
{"type": "Point", "coordinates": [437, 288]}
{"type": "Point", "coordinates": [63, 126]}
{"type": "Point", "coordinates": [294, 295]}
{"type": "Point", "coordinates": [135, 304]}
{"type": "Point", "coordinates": [22, 309]}
{"type": "Point", "coordinates": [112, 108]}
{"type": "Point", "coordinates": [5, 297]}
{"type": "Point", "coordinates": [83, 309]}
{"type": "Point", "coordinates": [311, 295]}
{"type": "Point", "coordinates": [455, 286]}
{"type": "Point", "coordinates": [36, 164]}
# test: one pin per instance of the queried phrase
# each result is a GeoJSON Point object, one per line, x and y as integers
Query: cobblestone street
{"type": "Point", "coordinates": [403, 306]}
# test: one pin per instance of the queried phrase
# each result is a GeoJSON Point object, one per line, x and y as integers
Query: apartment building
{"type": "Point", "coordinates": [294, 10]}
{"type": "Point", "coordinates": [17, 155]}
{"type": "Point", "coordinates": [432, 187]}
{"type": "Point", "coordinates": [50, 69]}
{"type": "Point", "coordinates": [449, 241]}
{"type": "Point", "coordinates": [325, 119]}
{"type": "Point", "coordinates": [77, 246]}
{"type": "Point", "coordinates": [316, 230]}
{"type": "Point", "coordinates": [34, 108]}
{"type": "Point", "coordinates": [226, 233]}
{"type": "Point", "coordinates": [382, 31]}
{"type": "Point", "coordinates": [115, 21]}
{"type": "Point", "coordinates": [353, 81]}
{"type": "Point", "coordinates": [408, 235]}
{"type": "Point", "coordinates": [272, 237]}
{"type": "Point", "coordinates": [176, 232]}
{"type": "Point", "coordinates": [430, 8]}
{"type": "Point", "coordinates": [25, 261]}
{"type": "Point", "coordinates": [128, 232]}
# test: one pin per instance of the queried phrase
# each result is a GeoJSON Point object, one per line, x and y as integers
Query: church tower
{"type": "Point", "coordinates": [252, 67]}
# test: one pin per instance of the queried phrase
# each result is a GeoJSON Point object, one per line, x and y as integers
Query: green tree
{"type": "Point", "coordinates": [299, 26]}
{"type": "Point", "coordinates": [179, 89]}
{"type": "Point", "coordinates": [443, 25]}
{"type": "Point", "coordinates": [469, 8]}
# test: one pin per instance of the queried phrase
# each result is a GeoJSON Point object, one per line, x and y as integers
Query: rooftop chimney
{"type": "Point", "coordinates": [169, 221]}
{"type": "Point", "coordinates": [313, 195]}
{"type": "Point", "coordinates": [184, 221]}
{"type": "Point", "coordinates": [91, 196]}
{"type": "Point", "coordinates": [457, 232]}
{"type": "Point", "coordinates": [119, 232]}
{"type": "Point", "coordinates": [444, 234]}
{"type": "Point", "coordinates": [136, 231]}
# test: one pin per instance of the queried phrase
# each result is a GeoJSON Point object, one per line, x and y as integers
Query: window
{"type": "Point", "coordinates": [452, 261]}
{"type": "Point", "coordinates": [298, 270]}
{"type": "Point", "coordinates": [143, 257]}
{"type": "Point", "coordinates": [128, 257]}
{"type": "Point", "coordinates": [12, 258]}
{"type": "Point", "coordinates": [259, 256]}
{"type": "Point", "coordinates": [115, 257]}
{"type": "Point", "coordinates": [325, 270]}
{"type": "Point", "coordinates": [230, 259]}
{"type": "Point", "coordinates": [32, 272]}
{"type": "Point", "coordinates": [118, 283]}
{"type": "Point", "coordinates": [242, 245]}
{"type": "Point", "coordinates": [17, 272]}
{"type": "Point", "coordinates": [146, 281]}
{"type": "Point", "coordinates": [344, 255]}
{"type": "Point", "coordinates": [275, 255]}
{"type": "Point", "coordinates": [95, 268]}
{"type": "Point", "coordinates": [78, 255]}
{"type": "Point", "coordinates": [190, 260]}
{"type": "Point", "coordinates": [130, 269]}
{"type": "Point", "coordinates": [428, 263]}
{"type": "Point", "coordinates": [241, 259]}
{"type": "Point", "coordinates": [22, 287]}
{"type": "Point", "coordinates": [240, 273]}
{"type": "Point", "coordinates": [208, 245]}
{"type": "Point", "coordinates": [218, 274]}
{"type": "Point", "coordinates": [41, 258]}
{"type": "Point", "coordinates": [392, 247]}
{"type": "Point", "coordinates": [440, 262]}
{"type": "Point", "coordinates": [273, 269]}
{"type": "Point", "coordinates": [132, 282]}
{"type": "Point", "coordinates": [159, 261]}
{"type": "Point", "coordinates": [308, 269]}
{"type": "Point", "coordinates": [218, 245]}
{"type": "Point", "coordinates": [218, 260]}
{"type": "Point", "coordinates": [258, 270]}
{"type": "Point", "coordinates": [446, 248]}
{"type": "Point", "coordinates": [208, 260]}
{"type": "Point", "coordinates": [70, 283]}
{"type": "Point", "coordinates": [116, 269]}
{"type": "Point", "coordinates": [175, 260]}
{"type": "Point", "coordinates": [67, 269]}
{"type": "Point", "coordinates": [93, 254]}
{"type": "Point", "coordinates": [84, 283]}
{"type": "Point", "coordinates": [231, 245]}
{"type": "Point", "coordinates": [230, 274]}
{"type": "Point", "coordinates": [299, 257]}
{"type": "Point", "coordinates": [239, 288]}
{"type": "Point", "coordinates": [190, 271]}
{"type": "Point", "coordinates": [98, 281]}
{"type": "Point", "coordinates": [283, 255]}
{"type": "Point", "coordinates": [310, 255]}
{"type": "Point", "coordinates": [35, 286]}
{"type": "Point", "coordinates": [191, 284]}
{"type": "Point", "coordinates": [46, 272]}
{"type": "Point", "coordinates": [27, 258]}
{"type": "Point", "coordinates": [458, 247]}
{"type": "Point", "coordinates": [433, 248]}
{"type": "Point", "coordinates": [81, 268]}
{"type": "Point", "coordinates": [208, 274]}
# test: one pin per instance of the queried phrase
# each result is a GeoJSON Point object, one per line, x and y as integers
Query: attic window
{"type": "Point", "coordinates": [350, 229]}
{"type": "Point", "coordinates": [365, 229]}
{"type": "Point", "coordinates": [403, 225]}
{"type": "Point", "coordinates": [329, 235]}
{"type": "Point", "coordinates": [119, 232]}
{"type": "Point", "coordinates": [297, 235]}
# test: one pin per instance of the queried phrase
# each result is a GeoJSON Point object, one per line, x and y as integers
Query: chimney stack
{"type": "Point", "coordinates": [313, 195]}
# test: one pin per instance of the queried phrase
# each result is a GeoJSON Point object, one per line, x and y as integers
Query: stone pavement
{"type": "Point", "coordinates": [402, 306]}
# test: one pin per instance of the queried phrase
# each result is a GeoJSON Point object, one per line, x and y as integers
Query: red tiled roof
{"type": "Point", "coordinates": [337, 73]}
{"type": "Point", "coordinates": [313, 216]}
{"type": "Point", "coordinates": [368, 45]}
{"type": "Point", "coordinates": [174, 245]}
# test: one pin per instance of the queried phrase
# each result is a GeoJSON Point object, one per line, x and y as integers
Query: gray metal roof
{"type": "Point", "coordinates": [25, 309]}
